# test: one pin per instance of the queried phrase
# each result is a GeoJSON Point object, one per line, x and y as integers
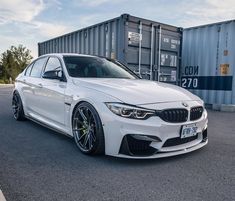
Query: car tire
{"type": "Point", "coordinates": [17, 107]}
{"type": "Point", "coordinates": [87, 129]}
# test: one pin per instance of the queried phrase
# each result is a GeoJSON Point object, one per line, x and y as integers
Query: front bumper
{"type": "Point", "coordinates": [167, 154]}
{"type": "Point", "coordinates": [177, 146]}
{"type": "Point", "coordinates": [151, 138]}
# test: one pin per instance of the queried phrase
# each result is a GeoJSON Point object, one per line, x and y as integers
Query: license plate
{"type": "Point", "coordinates": [189, 130]}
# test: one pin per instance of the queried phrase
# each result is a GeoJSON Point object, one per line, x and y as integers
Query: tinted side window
{"type": "Point", "coordinates": [37, 67]}
{"type": "Point", "coordinates": [53, 64]}
{"type": "Point", "coordinates": [28, 70]}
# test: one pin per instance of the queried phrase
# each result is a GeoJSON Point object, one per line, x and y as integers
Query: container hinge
{"type": "Point", "coordinates": [147, 73]}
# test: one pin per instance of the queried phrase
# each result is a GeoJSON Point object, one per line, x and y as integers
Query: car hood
{"type": "Point", "coordinates": [137, 91]}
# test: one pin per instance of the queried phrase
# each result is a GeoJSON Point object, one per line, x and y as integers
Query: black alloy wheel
{"type": "Point", "coordinates": [87, 129]}
{"type": "Point", "coordinates": [17, 107]}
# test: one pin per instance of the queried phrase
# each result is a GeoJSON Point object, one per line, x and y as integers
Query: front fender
{"type": "Point", "coordinates": [96, 98]}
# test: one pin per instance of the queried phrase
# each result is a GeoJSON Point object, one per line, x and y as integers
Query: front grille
{"type": "Point", "coordinates": [177, 115]}
{"type": "Point", "coordinates": [196, 113]}
{"type": "Point", "coordinates": [178, 141]}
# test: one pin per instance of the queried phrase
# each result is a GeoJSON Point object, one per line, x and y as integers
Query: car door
{"type": "Point", "coordinates": [33, 89]}
{"type": "Point", "coordinates": [52, 93]}
{"type": "Point", "coordinates": [26, 87]}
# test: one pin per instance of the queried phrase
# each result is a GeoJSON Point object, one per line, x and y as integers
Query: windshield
{"type": "Point", "coordinates": [95, 67]}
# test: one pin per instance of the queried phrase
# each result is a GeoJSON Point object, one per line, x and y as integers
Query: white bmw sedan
{"type": "Point", "coordinates": [108, 109]}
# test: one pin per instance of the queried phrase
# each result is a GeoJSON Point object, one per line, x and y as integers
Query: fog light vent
{"type": "Point", "coordinates": [138, 145]}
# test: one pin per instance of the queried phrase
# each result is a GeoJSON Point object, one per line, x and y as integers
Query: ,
{"type": "Point", "coordinates": [108, 109]}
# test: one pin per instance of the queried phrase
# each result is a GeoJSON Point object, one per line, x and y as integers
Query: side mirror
{"type": "Point", "coordinates": [53, 74]}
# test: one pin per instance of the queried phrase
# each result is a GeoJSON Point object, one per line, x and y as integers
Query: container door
{"type": "Point", "coordinates": [138, 54]}
{"type": "Point", "coordinates": [153, 52]}
{"type": "Point", "coordinates": [168, 56]}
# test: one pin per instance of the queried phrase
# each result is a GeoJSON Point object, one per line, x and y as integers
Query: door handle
{"type": "Point", "coordinates": [40, 85]}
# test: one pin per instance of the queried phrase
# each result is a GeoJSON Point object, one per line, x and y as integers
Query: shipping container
{"type": "Point", "coordinates": [131, 40]}
{"type": "Point", "coordinates": [208, 62]}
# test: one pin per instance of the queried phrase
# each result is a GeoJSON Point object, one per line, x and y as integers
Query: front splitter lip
{"type": "Point", "coordinates": [166, 154]}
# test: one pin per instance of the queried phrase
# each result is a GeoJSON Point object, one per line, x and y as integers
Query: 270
{"type": "Point", "coordinates": [189, 82]}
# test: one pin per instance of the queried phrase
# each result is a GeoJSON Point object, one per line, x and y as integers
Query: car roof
{"type": "Point", "coordinates": [67, 54]}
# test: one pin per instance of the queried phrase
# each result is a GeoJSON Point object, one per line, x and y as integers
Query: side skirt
{"type": "Point", "coordinates": [48, 126]}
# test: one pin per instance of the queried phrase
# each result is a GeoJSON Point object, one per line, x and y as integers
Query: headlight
{"type": "Point", "coordinates": [129, 111]}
